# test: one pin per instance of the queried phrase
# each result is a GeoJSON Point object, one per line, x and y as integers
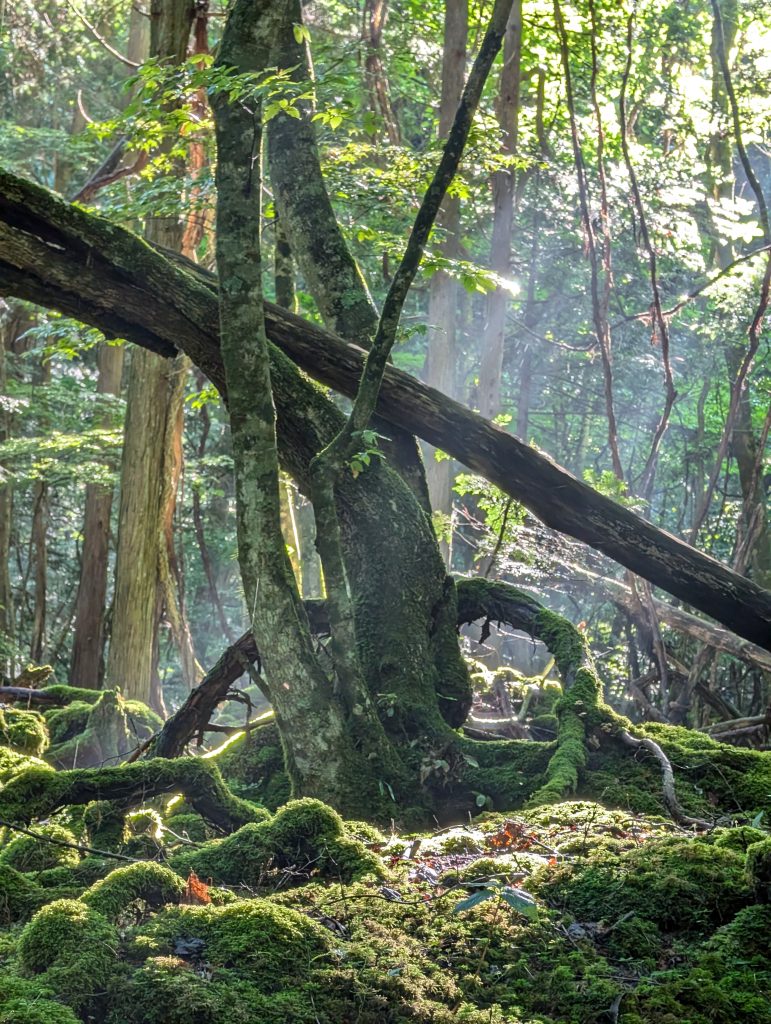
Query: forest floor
{"type": "Point", "coordinates": [149, 913]}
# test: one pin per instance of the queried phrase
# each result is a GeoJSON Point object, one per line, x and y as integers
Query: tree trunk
{"type": "Point", "coordinates": [39, 552]}
{"type": "Point", "coordinates": [503, 221]}
{"type": "Point", "coordinates": [441, 360]}
{"type": "Point", "coordinates": [109, 278]}
{"type": "Point", "coordinates": [145, 499]}
{"type": "Point", "coordinates": [88, 641]}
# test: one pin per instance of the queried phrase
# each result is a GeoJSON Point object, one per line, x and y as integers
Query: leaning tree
{"type": "Point", "coordinates": [372, 716]}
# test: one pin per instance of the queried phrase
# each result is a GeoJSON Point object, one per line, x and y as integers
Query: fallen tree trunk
{"type": "Point", "coordinates": [62, 257]}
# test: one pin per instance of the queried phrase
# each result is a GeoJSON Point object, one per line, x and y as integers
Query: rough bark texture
{"type": "Point", "coordinates": [310, 223]}
{"type": "Point", "coordinates": [137, 604]}
{"type": "Point", "coordinates": [325, 741]}
{"type": "Point", "coordinates": [64, 258]}
{"type": "Point", "coordinates": [88, 640]}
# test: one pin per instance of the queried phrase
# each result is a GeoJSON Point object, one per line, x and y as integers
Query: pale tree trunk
{"type": "Point", "coordinates": [148, 437]}
{"type": "Point", "coordinates": [743, 439]}
{"type": "Point", "coordinates": [7, 621]}
{"type": "Point", "coordinates": [39, 551]}
{"type": "Point", "coordinates": [503, 182]}
{"type": "Point", "coordinates": [443, 293]}
{"type": "Point", "coordinates": [86, 668]}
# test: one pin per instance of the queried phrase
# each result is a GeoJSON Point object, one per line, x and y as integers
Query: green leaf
{"type": "Point", "coordinates": [520, 901]}
{"type": "Point", "coordinates": [472, 900]}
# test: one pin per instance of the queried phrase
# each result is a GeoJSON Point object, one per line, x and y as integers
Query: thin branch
{"type": "Point", "coordinates": [765, 289]}
{"type": "Point", "coordinates": [601, 326]}
{"type": "Point", "coordinates": [70, 846]}
{"type": "Point", "coordinates": [100, 39]}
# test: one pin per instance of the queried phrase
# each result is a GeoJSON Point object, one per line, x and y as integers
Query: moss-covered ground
{"type": "Point", "coordinates": [567, 912]}
{"type": "Point", "coordinates": [139, 904]}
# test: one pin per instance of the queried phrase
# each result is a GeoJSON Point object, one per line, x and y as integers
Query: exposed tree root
{"type": "Point", "coordinates": [38, 792]}
{"type": "Point", "coordinates": [582, 716]}
{"type": "Point", "coordinates": [667, 777]}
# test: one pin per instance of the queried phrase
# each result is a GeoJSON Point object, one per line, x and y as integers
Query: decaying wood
{"type": "Point", "coordinates": [64, 258]}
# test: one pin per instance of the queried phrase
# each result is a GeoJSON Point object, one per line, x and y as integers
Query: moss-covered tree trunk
{"type": "Point", "coordinates": [328, 744]}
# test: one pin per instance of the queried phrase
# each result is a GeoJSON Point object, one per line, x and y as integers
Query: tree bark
{"type": "Point", "coordinates": [503, 183]}
{"type": "Point", "coordinates": [441, 358]}
{"type": "Point", "coordinates": [88, 641]}
{"type": "Point", "coordinates": [65, 258]}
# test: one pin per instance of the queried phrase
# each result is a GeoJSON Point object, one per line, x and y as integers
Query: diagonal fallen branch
{"type": "Point", "coordinates": [65, 258]}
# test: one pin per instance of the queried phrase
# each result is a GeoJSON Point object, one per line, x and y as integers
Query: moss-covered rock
{"type": "Point", "coordinates": [680, 884]}
{"type": "Point", "coordinates": [23, 731]}
{"type": "Point", "coordinates": [17, 896]}
{"type": "Point", "coordinates": [253, 764]}
{"type": "Point", "coordinates": [24, 1001]}
{"type": "Point", "coordinates": [72, 948]}
{"type": "Point", "coordinates": [102, 732]}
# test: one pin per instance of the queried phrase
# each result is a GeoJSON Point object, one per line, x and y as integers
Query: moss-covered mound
{"type": "Point", "coordinates": [305, 837]}
{"type": "Point", "coordinates": [561, 914]}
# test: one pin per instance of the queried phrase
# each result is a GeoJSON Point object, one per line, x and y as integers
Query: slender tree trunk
{"type": "Point", "coordinates": [88, 642]}
{"type": "Point", "coordinates": [504, 184]}
{"type": "Point", "coordinates": [39, 551]}
{"type": "Point", "coordinates": [7, 619]}
{"type": "Point", "coordinates": [87, 663]}
{"type": "Point", "coordinates": [374, 21]}
{"type": "Point", "coordinates": [443, 292]}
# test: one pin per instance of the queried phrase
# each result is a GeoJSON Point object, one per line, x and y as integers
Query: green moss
{"type": "Point", "coordinates": [25, 853]}
{"type": "Point", "coordinates": [12, 764]}
{"type": "Point", "coordinates": [95, 731]}
{"type": "Point", "coordinates": [147, 883]}
{"type": "Point", "coordinates": [304, 835]}
{"type": "Point", "coordinates": [68, 694]}
{"type": "Point", "coordinates": [253, 764]}
{"type": "Point", "coordinates": [189, 826]}
{"type": "Point", "coordinates": [759, 869]}
{"type": "Point", "coordinates": [23, 1011]}
{"type": "Point", "coordinates": [72, 948]}
{"type": "Point", "coordinates": [711, 775]}
{"type": "Point", "coordinates": [23, 731]}
{"type": "Point", "coordinates": [507, 772]}
{"type": "Point", "coordinates": [678, 883]}
{"type": "Point", "coordinates": [104, 824]}
{"type": "Point", "coordinates": [67, 722]}
{"type": "Point", "coordinates": [24, 1001]}
{"type": "Point", "coordinates": [739, 838]}
{"type": "Point", "coordinates": [726, 980]}
{"type": "Point", "coordinates": [275, 946]}
{"type": "Point", "coordinates": [17, 895]}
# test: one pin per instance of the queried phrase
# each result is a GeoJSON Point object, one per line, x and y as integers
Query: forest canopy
{"type": "Point", "coordinates": [384, 446]}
